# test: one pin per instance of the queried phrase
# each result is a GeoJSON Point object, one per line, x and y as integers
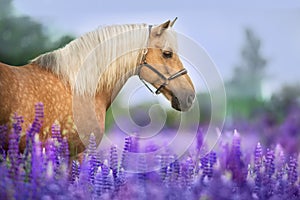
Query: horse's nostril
{"type": "Point", "coordinates": [180, 104]}
{"type": "Point", "coordinates": [175, 103]}
{"type": "Point", "coordinates": [190, 99]}
{"type": "Point", "coordinates": [176, 100]}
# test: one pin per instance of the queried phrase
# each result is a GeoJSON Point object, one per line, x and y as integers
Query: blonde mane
{"type": "Point", "coordinates": [98, 59]}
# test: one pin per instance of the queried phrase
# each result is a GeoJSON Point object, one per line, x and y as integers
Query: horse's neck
{"type": "Point", "coordinates": [100, 62]}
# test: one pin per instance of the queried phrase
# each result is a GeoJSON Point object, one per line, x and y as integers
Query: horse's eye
{"type": "Point", "coordinates": [167, 54]}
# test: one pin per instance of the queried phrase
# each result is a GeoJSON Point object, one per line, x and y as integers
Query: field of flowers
{"type": "Point", "coordinates": [227, 172]}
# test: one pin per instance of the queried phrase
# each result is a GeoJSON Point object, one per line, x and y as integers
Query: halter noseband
{"type": "Point", "coordinates": [165, 79]}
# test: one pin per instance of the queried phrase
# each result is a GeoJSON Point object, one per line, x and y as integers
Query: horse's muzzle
{"type": "Point", "coordinates": [183, 102]}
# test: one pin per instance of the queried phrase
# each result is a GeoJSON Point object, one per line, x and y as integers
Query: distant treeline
{"type": "Point", "coordinates": [23, 38]}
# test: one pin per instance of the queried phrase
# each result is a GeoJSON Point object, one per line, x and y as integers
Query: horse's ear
{"type": "Point", "coordinates": [172, 23]}
{"type": "Point", "coordinates": [159, 29]}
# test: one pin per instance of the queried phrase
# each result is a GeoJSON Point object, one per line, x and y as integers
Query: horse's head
{"type": "Point", "coordinates": [162, 68]}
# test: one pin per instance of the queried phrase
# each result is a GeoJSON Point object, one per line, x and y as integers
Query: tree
{"type": "Point", "coordinates": [5, 8]}
{"type": "Point", "coordinates": [249, 74]}
{"type": "Point", "coordinates": [22, 38]}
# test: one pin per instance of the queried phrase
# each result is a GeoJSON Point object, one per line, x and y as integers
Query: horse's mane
{"type": "Point", "coordinates": [99, 53]}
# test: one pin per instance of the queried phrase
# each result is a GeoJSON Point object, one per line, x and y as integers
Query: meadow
{"type": "Point", "coordinates": [229, 171]}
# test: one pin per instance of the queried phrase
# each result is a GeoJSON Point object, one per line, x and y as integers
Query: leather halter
{"type": "Point", "coordinates": [163, 77]}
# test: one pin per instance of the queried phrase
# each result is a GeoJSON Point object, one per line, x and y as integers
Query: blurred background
{"type": "Point", "coordinates": [254, 44]}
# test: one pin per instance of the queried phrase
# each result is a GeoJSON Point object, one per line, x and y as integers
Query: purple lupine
{"type": "Point", "coordinates": [199, 147]}
{"type": "Point", "coordinates": [33, 129]}
{"type": "Point", "coordinates": [36, 172]}
{"type": "Point", "coordinates": [103, 181]}
{"type": "Point", "coordinates": [258, 158]}
{"type": "Point", "coordinates": [134, 147]}
{"type": "Point", "coordinates": [188, 172]}
{"type": "Point", "coordinates": [292, 173]}
{"type": "Point", "coordinates": [235, 163]}
{"type": "Point", "coordinates": [110, 181]}
{"type": "Point", "coordinates": [65, 151]}
{"type": "Point", "coordinates": [52, 155]}
{"type": "Point", "coordinates": [121, 179]}
{"type": "Point", "coordinates": [113, 161]}
{"type": "Point", "coordinates": [204, 162]}
{"type": "Point", "coordinates": [126, 150]}
{"type": "Point", "coordinates": [162, 159]}
{"type": "Point", "coordinates": [13, 155]}
{"type": "Point", "coordinates": [168, 179]}
{"type": "Point", "coordinates": [199, 138]}
{"type": "Point", "coordinates": [29, 142]}
{"type": "Point", "coordinates": [56, 144]}
{"type": "Point", "coordinates": [84, 175]}
{"type": "Point", "coordinates": [98, 187]}
{"type": "Point", "coordinates": [107, 179]}
{"type": "Point", "coordinates": [269, 163]}
{"type": "Point", "coordinates": [212, 159]}
{"type": "Point", "coordinates": [173, 172]}
{"type": "Point", "coordinates": [75, 171]}
{"type": "Point", "coordinates": [272, 167]}
{"type": "Point", "coordinates": [142, 167]}
{"type": "Point", "coordinates": [13, 147]}
{"type": "Point", "coordinates": [5, 182]}
{"type": "Point", "coordinates": [36, 158]}
{"type": "Point", "coordinates": [38, 119]}
{"type": "Point", "coordinates": [92, 156]}
{"type": "Point", "coordinates": [3, 136]}
{"type": "Point", "coordinates": [175, 167]}
{"type": "Point", "coordinates": [56, 132]}
{"type": "Point", "coordinates": [280, 169]}
{"type": "Point", "coordinates": [268, 173]}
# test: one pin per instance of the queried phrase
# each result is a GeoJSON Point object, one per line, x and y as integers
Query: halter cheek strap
{"type": "Point", "coordinates": [165, 80]}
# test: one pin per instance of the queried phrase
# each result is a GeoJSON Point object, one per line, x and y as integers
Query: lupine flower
{"type": "Point", "coordinates": [126, 150]}
{"type": "Point", "coordinates": [113, 162]}
{"type": "Point", "coordinates": [13, 148]}
{"type": "Point", "coordinates": [75, 171]}
{"type": "Point", "coordinates": [235, 163]}
{"type": "Point", "coordinates": [56, 134]}
{"type": "Point", "coordinates": [258, 159]}
{"type": "Point", "coordinates": [3, 135]}
{"type": "Point", "coordinates": [92, 156]}
{"type": "Point", "coordinates": [41, 172]}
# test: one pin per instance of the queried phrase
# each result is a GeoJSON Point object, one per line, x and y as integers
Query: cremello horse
{"type": "Point", "coordinates": [53, 78]}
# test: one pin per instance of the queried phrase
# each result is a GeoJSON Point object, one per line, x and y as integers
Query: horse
{"type": "Point", "coordinates": [95, 65]}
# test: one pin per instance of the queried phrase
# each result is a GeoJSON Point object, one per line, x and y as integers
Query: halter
{"type": "Point", "coordinates": [165, 79]}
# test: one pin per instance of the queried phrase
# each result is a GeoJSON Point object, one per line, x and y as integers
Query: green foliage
{"type": "Point", "coordinates": [274, 109]}
{"type": "Point", "coordinates": [5, 8]}
{"type": "Point", "coordinates": [62, 41]}
{"type": "Point", "coordinates": [109, 119]}
{"type": "Point", "coordinates": [204, 100]}
{"type": "Point", "coordinates": [284, 101]}
{"type": "Point", "coordinates": [244, 108]}
{"type": "Point", "coordinates": [23, 38]}
{"type": "Point", "coordinates": [288, 96]}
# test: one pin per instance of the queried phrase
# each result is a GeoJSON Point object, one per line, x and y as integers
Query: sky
{"type": "Point", "coordinates": [216, 25]}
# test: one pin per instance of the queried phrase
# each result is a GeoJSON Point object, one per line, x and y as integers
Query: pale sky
{"type": "Point", "coordinates": [216, 25]}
